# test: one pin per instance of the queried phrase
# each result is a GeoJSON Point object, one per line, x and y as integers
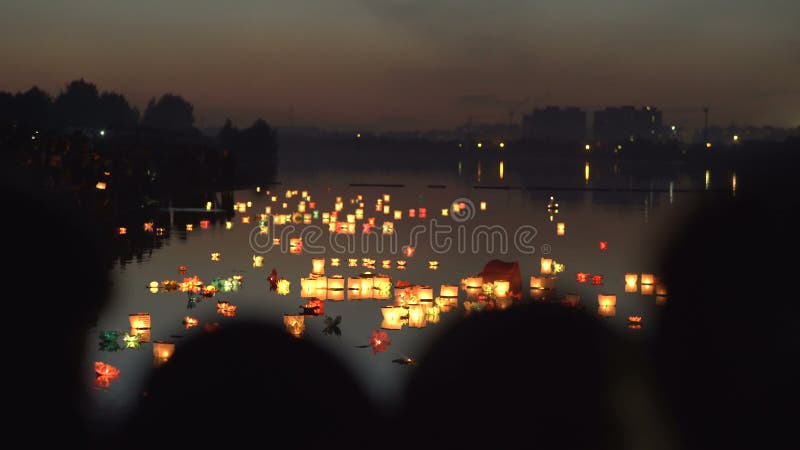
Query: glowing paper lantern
{"type": "Point", "coordinates": [561, 228]}
{"type": "Point", "coordinates": [388, 228]}
{"type": "Point", "coordinates": [318, 266]}
{"type": "Point", "coordinates": [335, 283]}
{"type": "Point", "coordinates": [352, 262]}
{"type": "Point", "coordinates": [101, 186]}
{"type": "Point", "coordinates": [139, 321]}
{"type": "Point", "coordinates": [398, 214]}
{"type": "Point", "coordinates": [483, 206]}
{"type": "Point", "coordinates": [334, 262]}
{"type": "Point", "coordinates": [597, 280]}
{"type": "Point", "coordinates": [433, 265]}
{"type": "Point", "coordinates": [417, 317]}
{"type": "Point", "coordinates": [473, 282]}
{"type": "Point", "coordinates": [204, 224]}
{"type": "Point", "coordinates": [295, 324]}
{"type": "Point", "coordinates": [606, 300]}
{"type": "Point", "coordinates": [162, 352]}
{"type": "Point", "coordinates": [630, 282]}
{"type": "Point", "coordinates": [501, 288]}
{"type": "Point", "coordinates": [423, 213]}
{"type": "Point", "coordinates": [648, 278]}
{"type": "Point", "coordinates": [382, 287]}
{"type": "Point", "coordinates": [215, 256]}
{"type": "Point", "coordinates": [448, 291]}
{"type": "Point", "coordinates": [308, 287]}
{"type": "Point", "coordinates": [258, 261]}
{"type": "Point", "coordinates": [603, 245]}
{"type": "Point", "coordinates": [283, 287]}
{"type": "Point", "coordinates": [246, 219]}
{"type": "Point", "coordinates": [189, 322]}
{"type": "Point", "coordinates": [408, 251]}
{"type": "Point", "coordinates": [546, 266]}
{"type": "Point", "coordinates": [425, 293]}
{"type": "Point", "coordinates": [537, 282]}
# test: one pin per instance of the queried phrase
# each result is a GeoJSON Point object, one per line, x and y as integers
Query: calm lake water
{"type": "Point", "coordinates": [633, 215]}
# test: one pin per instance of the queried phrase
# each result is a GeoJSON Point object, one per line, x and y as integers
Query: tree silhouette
{"type": "Point", "coordinates": [170, 112]}
{"type": "Point", "coordinates": [78, 105]}
{"type": "Point", "coordinates": [32, 108]}
{"type": "Point", "coordinates": [116, 113]}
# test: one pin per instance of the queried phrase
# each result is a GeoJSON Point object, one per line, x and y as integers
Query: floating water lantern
{"type": "Point", "coordinates": [408, 251]}
{"type": "Point", "coordinates": [258, 261]}
{"type": "Point", "coordinates": [352, 262]}
{"type": "Point", "coordinates": [105, 370]}
{"type": "Point", "coordinates": [483, 206]}
{"type": "Point", "coordinates": [154, 284]}
{"type": "Point", "coordinates": [433, 265]}
{"type": "Point", "coordinates": [448, 291]}
{"type": "Point", "coordinates": [398, 214]}
{"type": "Point", "coordinates": [501, 288]}
{"type": "Point", "coordinates": [122, 230]}
{"type": "Point", "coordinates": [473, 282]}
{"type": "Point", "coordinates": [416, 316]}
{"type": "Point", "coordinates": [204, 224]}
{"type": "Point", "coordinates": [189, 322]}
{"type": "Point", "coordinates": [215, 256]}
{"type": "Point", "coordinates": [606, 299]}
{"type": "Point", "coordinates": [336, 283]}
{"type": "Point", "coordinates": [142, 333]}
{"type": "Point", "coordinates": [162, 352]}
{"type": "Point", "coordinates": [546, 265]}
{"type": "Point", "coordinates": [308, 287]}
{"type": "Point", "coordinates": [603, 245]}
{"type": "Point", "coordinates": [388, 228]}
{"type": "Point", "coordinates": [228, 224]}
{"type": "Point", "coordinates": [283, 287]}
{"type": "Point", "coordinates": [321, 283]}
{"type": "Point", "coordinates": [423, 213]}
{"type": "Point", "coordinates": [648, 278]}
{"type": "Point", "coordinates": [245, 219]}
{"type": "Point", "coordinates": [597, 280]}
{"type": "Point", "coordinates": [318, 266]}
{"type": "Point", "coordinates": [148, 227]}
{"type": "Point", "coordinates": [561, 229]}
{"type": "Point", "coordinates": [334, 262]}
{"type": "Point", "coordinates": [139, 321]}
{"type": "Point", "coordinates": [630, 282]}
{"type": "Point", "coordinates": [100, 186]}
{"type": "Point", "coordinates": [445, 212]}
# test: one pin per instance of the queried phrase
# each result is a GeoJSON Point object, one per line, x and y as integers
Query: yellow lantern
{"type": "Point", "coordinates": [387, 325]}
{"type": "Point", "coordinates": [258, 261]}
{"type": "Point", "coordinates": [301, 207]}
{"type": "Point", "coordinates": [352, 262]}
{"type": "Point", "coordinates": [473, 282]}
{"type": "Point", "coordinates": [537, 282]}
{"type": "Point", "coordinates": [308, 287]}
{"type": "Point", "coordinates": [448, 290]}
{"type": "Point", "coordinates": [295, 324]}
{"type": "Point", "coordinates": [284, 287]}
{"type": "Point", "coordinates": [445, 212]}
{"type": "Point", "coordinates": [425, 293]}
{"type": "Point", "coordinates": [433, 265]}
{"type": "Point", "coordinates": [162, 352]}
{"type": "Point", "coordinates": [561, 228]}
{"type": "Point", "coordinates": [215, 256]}
{"type": "Point", "coordinates": [334, 262]}
{"type": "Point", "coordinates": [101, 186]}
{"type": "Point", "coordinates": [354, 284]}
{"type": "Point", "coordinates": [295, 242]}
{"type": "Point", "coordinates": [228, 225]}
{"type": "Point", "coordinates": [648, 278]}
{"type": "Point", "coordinates": [382, 287]}
{"type": "Point", "coordinates": [367, 284]}
{"type": "Point", "coordinates": [318, 266]}
{"type": "Point", "coordinates": [398, 214]}
{"type": "Point", "coordinates": [326, 217]}
{"type": "Point", "coordinates": [483, 206]}
{"type": "Point", "coordinates": [387, 198]}
{"type": "Point", "coordinates": [546, 266]}
{"type": "Point", "coordinates": [336, 283]}
{"type": "Point", "coordinates": [335, 295]}
{"type": "Point", "coordinates": [321, 283]}
{"type": "Point", "coordinates": [501, 288]}
{"type": "Point", "coordinates": [154, 284]}
{"type": "Point", "coordinates": [393, 314]}
{"type": "Point", "coordinates": [386, 209]}
{"type": "Point", "coordinates": [139, 320]}
{"type": "Point", "coordinates": [607, 311]}
{"type": "Point", "coordinates": [388, 228]}
{"type": "Point", "coordinates": [416, 316]}
{"type": "Point", "coordinates": [245, 219]}
{"type": "Point", "coordinates": [189, 227]}
{"type": "Point", "coordinates": [276, 241]}
{"type": "Point", "coordinates": [648, 289]}
{"type": "Point", "coordinates": [606, 299]}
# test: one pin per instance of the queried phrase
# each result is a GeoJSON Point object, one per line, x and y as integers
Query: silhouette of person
{"type": "Point", "coordinates": [55, 289]}
{"type": "Point", "coordinates": [250, 384]}
{"type": "Point", "coordinates": [728, 343]}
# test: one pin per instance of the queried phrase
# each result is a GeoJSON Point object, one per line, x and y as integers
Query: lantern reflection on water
{"type": "Point", "coordinates": [425, 293]}
{"type": "Point", "coordinates": [546, 266]}
{"type": "Point", "coordinates": [648, 289]}
{"type": "Point", "coordinates": [607, 311]}
{"type": "Point", "coordinates": [308, 287]}
{"type": "Point", "coordinates": [503, 303]}
{"type": "Point", "coordinates": [139, 321]}
{"type": "Point", "coordinates": [416, 316]}
{"type": "Point", "coordinates": [661, 289]}
{"type": "Point", "coordinates": [336, 283]}
{"type": "Point", "coordinates": [661, 300]}
{"type": "Point", "coordinates": [162, 352]}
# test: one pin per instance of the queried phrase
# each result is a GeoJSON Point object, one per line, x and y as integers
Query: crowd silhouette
{"type": "Point", "coordinates": [719, 373]}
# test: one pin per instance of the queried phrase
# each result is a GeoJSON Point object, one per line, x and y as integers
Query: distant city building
{"type": "Point", "coordinates": [736, 134]}
{"type": "Point", "coordinates": [555, 124]}
{"type": "Point", "coordinates": [626, 123]}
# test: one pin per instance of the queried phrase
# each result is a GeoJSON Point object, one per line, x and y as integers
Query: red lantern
{"type": "Point", "coordinates": [423, 212]}
{"type": "Point", "coordinates": [582, 277]}
{"type": "Point", "coordinates": [380, 341]}
{"type": "Point", "coordinates": [408, 251]}
{"type": "Point", "coordinates": [597, 280]}
{"type": "Point", "coordinates": [204, 224]}
{"type": "Point", "coordinates": [603, 245]}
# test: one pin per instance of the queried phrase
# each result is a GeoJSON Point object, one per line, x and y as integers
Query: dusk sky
{"type": "Point", "coordinates": [415, 64]}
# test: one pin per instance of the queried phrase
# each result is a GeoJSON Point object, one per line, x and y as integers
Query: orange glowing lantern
{"type": "Point", "coordinates": [308, 287]}
{"type": "Point", "coordinates": [408, 251]}
{"type": "Point", "coordinates": [635, 320]}
{"type": "Point", "coordinates": [105, 370]}
{"type": "Point", "coordinates": [215, 256]}
{"type": "Point", "coordinates": [162, 352]}
{"type": "Point", "coordinates": [189, 322]}
{"type": "Point", "coordinates": [630, 282]}
{"type": "Point", "coordinates": [139, 321]}
{"type": "Point", "coordinates": [258, 261]}
{"type": "Point", "coordinates": [334, 262]}
{"type": "Point", "coordinates": [537, 282]}
{"type": "Point", "coordinates": [122, 230]}
{"type": "Point", "coordinates": [189, 227]}
{"type": "Point", "coordinates": [606, 300]}
{"type": "Point", "coordinates": [148, 227]}
{"type": "Point", "coordinates": [320, 282]}
{"type": "Point", "coordinates": [648, 289]}
{"type": "Point", "coordinates": [283, 287]}
{"type": "Point", "coordinates": [425, 293]}
{"type": "Point", "coordinates": [448, 291]}
{"type": "Point", "coordinates": [245, 219]}
{"type": "Point", "coordinates": [561, 228]}
{"type": "Point", "coordinates": [473, 282]}
{"type": "Point", "coordinates": [607, 311]}
{"type": "Point", "coordinates": [226, 309]}
{"type": "Point", "coordinates": [336, 283]}
{"type": "Point", "coordinates": [412, 213]}
{"type": "Point", "coordinates": [388, 228]}
{"type": "Point", "coordinates": [393, 317]}
{"type": "Point", "coordinates": [318, 266]}
{"type": "Point", "coordinates": [416, 316]}
{"type": "Point", "coordinates": [295, 242]}
{"type": "Point", "coordinates": [352, 262]}
{"type": "Point", "coordinates": [101, 186]}
{"type": "Point", "coordinates": [648, 278]}
{"type": "Point", "coordinates": [597, 280]}
{"type": "Point", "coordinates": [204, 224]}
{"type": "Point", "coordinates": [603, 245]}
{"type": "Point", "coordinates": [433, 265]}
{"type": "Point", "coordinates": [379, 341]}
{"type": "Point", "coordinates": [546, 266]}
{"type": "Point", "coordinates": [582, 277]}
{"type": "Point", "coordinates": [501, 288]}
